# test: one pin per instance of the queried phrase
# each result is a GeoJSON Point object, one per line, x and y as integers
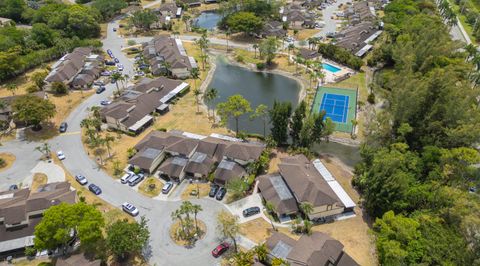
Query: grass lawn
{"type": "Point", "coordinates": [64, 104]}
{"type": "Point", "coordinates": [39, 179]}
{"type": "Point", "coordinates": [22, 81]}
{"type": "Point", "coordinates": [203, 188]}
{"type": "Point", "coordinates": [303, 34]}
{"type": "Point", "coordinates": [9, 160]}
{"type": "Point", "coordinates": [35, 262]}
{"type": "Point", "coordinates": [145, 189]}
{"type": "Point", "coordinates": [111, 213]}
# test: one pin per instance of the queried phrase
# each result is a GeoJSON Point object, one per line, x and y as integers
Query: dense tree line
{"type": "Point", "coordinates": [417, 174]}
{"type": "Point", "coordinates": [56, 29]}
{"type": "Point", "coordinates": [340, 55]}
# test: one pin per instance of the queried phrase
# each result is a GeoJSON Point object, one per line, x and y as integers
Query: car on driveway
{"type": "Point", "coordinates": [251, 211]}
{"type": "Point", "coordinates": [130, 209]}
{"type": "Point", "coordinates": [95, 189]}
{"type": "Point", "coordinates": [81, 179]}
{"type": "Point", "coordinates": [98, 83]}
{"type": "Point", "coordinates": [220, 249]}
{"type": "Point", "coordinates": [213, 190]}
{"type": "Point", "coordinates": [61, 155]}
{"type": "Point", "coordinates": [116, 60]}
{"type": "Point", "coordinates": [126, 177]}
{"type": "Point", "coordinates": [13, 187]}
{"type": "Point", "coordinates": [101, 89]}
{"type": "Point", "coordinates": [63, 127]}
{"type": "Point", "coordinates": [135, 180]}
{"type": "Point", "coordinates": [221, 193]}
{"type": "Point", "coordinates": [105, 102]}
{"type": "Point", "coordinates": [167, 187]}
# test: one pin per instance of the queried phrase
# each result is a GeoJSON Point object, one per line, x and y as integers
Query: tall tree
{"type": "Point", "coordinates": [268, 49]}
{"type": "Point", "coordinates": [32, 110]}
{"type": "Point", "coordinates": [262, 113]}
{"type": "Point", "coordinates": [297, 122]}
{"type": "Point", "coordinates": [210, 95]}
{"type": "Point", "coordinates": [234, 107]}
{"type": "Point", "coordinates": [279, 117]}
{"type": "Point", "coordinates": [125, 238]}
{"type": "Point", "coordinates": [229, 226]}
{"type": "Point", "coordinates": [143, 19]}
{"type": "Point", "coordinates": [246, 22]}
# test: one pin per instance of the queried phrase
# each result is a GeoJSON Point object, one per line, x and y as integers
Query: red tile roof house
{"type": "Point", "coordinates": [21, 210]}
{"type": "Point", "coordinates": [132, 112]}
{"type": "Point", "coordinates": [318, 249]}
{"type": "Point", "coordinates": [178, 155]}
{"type": "Point", "coordinates": [300, 180]}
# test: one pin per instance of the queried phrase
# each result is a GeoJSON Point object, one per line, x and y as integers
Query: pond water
{"type": "Point", "coordinates": [207, 20]}
{"type": "Point", "coordinates": [257, 87]}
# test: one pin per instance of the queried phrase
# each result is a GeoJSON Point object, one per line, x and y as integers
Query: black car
{"type": "Point", "coordinates": [221, 193]}
{"type": "Point", "coordinates": [63, 127]}
{"type": "Point", "coordinates": [213, 190]}
{"type": "Point", "coordinates": [100, 90]}
{"type": "Point", "coordinates": [13, 187]}
{"type": "Point", "coordinates": [109, 63]}
{"type": "Point", "coordinates": [95, 189]}
{"type": "Point", "coordinates": [251, 211]}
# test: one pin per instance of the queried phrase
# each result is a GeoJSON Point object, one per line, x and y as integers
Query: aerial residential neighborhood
{"type": "Point", "coordinates": [235, 133]}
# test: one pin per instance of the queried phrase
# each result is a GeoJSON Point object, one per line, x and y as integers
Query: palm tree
{"type": "Point", "coordinates": [116, 77]}
{"type": "Point", "coordinates": [354, 124]}
{"type": "Point", "coordinates": [270, 209]}
{"type": "Point", "coordinates": [307, 208]}
{"type": "Point", "coordinates": [44, 149]}
{"type": "Point", "coordinates": [261, 251]}
{"type": "Point", "coordinates": [197, 93]}
{"type": "Point", "coordinates": [196, 209]}
{"type": "Point", "coordinates": [203, 58]}
{"type": "Point", "coordinates": [210, 95]}
{"type": "Point", "coordinates": [291, 47]}
{"type": "Point", "coordinates": [186, 19]}
{"type": "Point", "coordinates": [108, 139]}
{"type": "Point", "coordinates": [227, 35]}
{"type": "Point", "coordinates": [195, 75]}
{"type": "Point", "coordinates": [177, 215]}
{"type": "Point", "coordinates": [255, 47]}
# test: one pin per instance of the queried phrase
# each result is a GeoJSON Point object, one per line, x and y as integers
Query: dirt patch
{"type": "Point", "coordinates": [304, 34]}
{"type": "Point", "coordinates": [257, 230]}
{"type": "Point", "coordinates": [150, 187]}
{"type": "Point", "coordinates": [23, 81]}
{"type": "Point", "coordinates": [203, 189]}
{"type": "Point", "coordinates": [8, 160]}
{"type": "Point", "coordinates": [35, 262]}
{"type": "Point", "coordinates": [175, 231]}
{"type": "Point", "coordinates": [39, 179]}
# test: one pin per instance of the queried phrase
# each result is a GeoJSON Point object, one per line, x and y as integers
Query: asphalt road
{"type": "Point", "coordinates": [162, 249]}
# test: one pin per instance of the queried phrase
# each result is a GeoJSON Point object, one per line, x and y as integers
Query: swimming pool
{"type": "Point", "coordinates": [330, 68]}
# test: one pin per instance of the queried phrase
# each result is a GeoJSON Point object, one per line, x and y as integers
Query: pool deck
{"type": "Point", "coordinates": [331, 77]}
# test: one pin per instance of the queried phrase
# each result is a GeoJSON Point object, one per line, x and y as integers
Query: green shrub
{"type": "Point", "coordinates": [240, 58]}
{"type": "Point", "coordinates": [32, 89]}
{"type": "Point", "coordinates": [261, 66]}
{"type": "Point", "coordinates": [371, 98]}
{"type": "Point", "coordinates": [131, 42]}
{"type": "Point", "coordinates": [162, 129]}
{"type": "Point", "coordinates": [2, 163]}
{"type": "Point", "coordinates": [30, 252]}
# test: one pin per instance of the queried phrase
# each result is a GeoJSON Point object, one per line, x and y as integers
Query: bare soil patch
{"type": "Point", "coordinates": [39, 179]}
{"type": "Point", "coordinates": [202, 190]}
{"type": "Point", "coordinates": [150, 187]}
{"type": "Point", "coordinates": [176, 228]}
{"type": "Point", "coordinates": [8, 160]}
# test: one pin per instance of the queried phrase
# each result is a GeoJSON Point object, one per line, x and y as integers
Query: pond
{"type": "Point", "coordinates": [257, 87]}
{"type": "Point", "coordinates": [207, 20]}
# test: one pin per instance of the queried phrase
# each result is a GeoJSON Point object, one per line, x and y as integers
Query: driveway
{"type": "Point", "coordinates": [237, 207]}
{"type": "Point", "coordinates": [53, 172]}
{"type": "Point", "coordinates": [26, 159]}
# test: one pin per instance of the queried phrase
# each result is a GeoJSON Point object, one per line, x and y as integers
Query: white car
{"type": "Point", "coordinates": [120, 67]}
{"type": "Point", "coordinates": [60, 155]}
{"type": "Point", "coordinates": [130, 209]}
{"type": "Point", "coordinates": [81, 179]}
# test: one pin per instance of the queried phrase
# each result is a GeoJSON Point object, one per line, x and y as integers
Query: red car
{"type": "Point", "coordinates": [220, 249]}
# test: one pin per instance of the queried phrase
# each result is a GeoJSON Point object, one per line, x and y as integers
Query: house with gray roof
{"type": "Point", "coordinates": [77, 69]}
{"type": "Point", "coordinates": [166, 56]}
{"type": "Point", "coordinates": [317, 249]}
{"type": "Point", "coordinates": [299, 181]}
{"type": "Point", "coordinates": [132, 112]}
{"type": "Point", "coordinates": [21, 210]}
{"type": "Point", "coordinates": [166, 13]}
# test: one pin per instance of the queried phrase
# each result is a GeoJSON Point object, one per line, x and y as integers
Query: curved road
{"type": "Point", "coordinates": [162, 250]}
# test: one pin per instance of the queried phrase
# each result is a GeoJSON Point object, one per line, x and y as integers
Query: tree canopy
{"type": "Point", "coordinates": [125, 238]}
{"type": "Point", "coordinates": [234, 107]}
{"type": "Point", "coordinates": [246, 22]}
{"type": "Point", "coordinates": [32, 109]}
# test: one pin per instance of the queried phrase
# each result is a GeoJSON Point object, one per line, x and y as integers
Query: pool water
{"type": "Point", "coordinates": [330, 68]}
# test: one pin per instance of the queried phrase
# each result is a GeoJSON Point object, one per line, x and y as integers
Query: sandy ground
{"type": "Point", "coordinates": [38, 180]}
{"type": "Point", "coordinates": [9, 160]}
{"type": "Point", "coordinates": [144, 189]}
{"type": "Point", "coordinates": [203, 188]}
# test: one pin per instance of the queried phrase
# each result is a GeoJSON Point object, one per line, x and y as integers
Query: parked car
{"type": "Point", "coordinates": [109, 51]}
{"type": "Point", "coordinates": [126, 177]}
{"type": "Point", "coordinates": [220, 249]}
{"type": "Point", "coordinates": [114, 29]}
{"type": "Point", "coordinates": [116, 60]}
{"type": "Point", "coordinates": [130, 209]}
{"type": "Point", "coordinates": [120, 67]}
{"type": "Point", "coordinates": [81, 179]}
{"type": "Point", "coordinates": [105, 74]}
{"type": "Point", "coordinates": [101, 89]}
{"type": "Point", "coordinates": [98, 83]}
{"type": "Point", "coordinates": [95, 189]}
{"type": "Point", "coordinates": [60, 155]}
{"type": "Point", "coordinates": [13, 187]}
{"type": "Point", "coordinates": [221, 193]}
{"type": "Point", "coordinates": [105, 102]}
{"type": "Point", "coordinates": [135, 180]}
{"type": "Point", "coordinates": [167, 187]}
{"type": "Point", "coordinates": [251, 211]}
{"type": "Point", "coordinates": [109, 63]}
{"type": "Point", "coordinates": [213, 190]}
{"type": "Point", "coordinates": [63, 127]}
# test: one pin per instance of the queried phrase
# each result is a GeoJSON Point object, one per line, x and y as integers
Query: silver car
{"type": "Point", "coordinates": [130, 209]}
{"type": "Point", "coordinates": [81, 179]}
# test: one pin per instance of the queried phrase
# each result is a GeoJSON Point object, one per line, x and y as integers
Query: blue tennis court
{"type": "Point", "coordinates": [335, 106]}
